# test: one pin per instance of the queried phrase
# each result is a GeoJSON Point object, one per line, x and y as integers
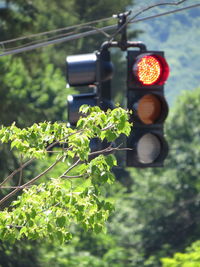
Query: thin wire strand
{"type": "Point", "coordinates": [142, 11]}
{"type": "Point", "coordinates": [79, 26]}
{"type": "Point", "coordinates": [60, 35]}
{"type": "Point", "coordinates": [39, 41]}
{"type": "Point", "coordinates": [165, 13]}
{"type": "Point", "coordinates": [56, 30]}
{"type": "Point", "coordinates": [92, 32]}
{"type": "Point", "coordinates": [84, 24]}
{"type": "Point", "coordinates": [57, 41]}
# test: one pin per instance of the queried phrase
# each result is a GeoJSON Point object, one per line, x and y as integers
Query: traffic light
{"type": "Point", "coordinates": [94, 70]}
{"type": "Point", "coordinates": [147, 72]}
{"type": "Point", "coordinates": [74, 104]}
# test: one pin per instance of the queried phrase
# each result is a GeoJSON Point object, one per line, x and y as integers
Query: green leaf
{"type": "Point", "coordinates": [14, 143]}
{"type": "Point", "coordinates": [30, 223]}
{"type": "Point", "coordinates": [60, 236]}
{"type": "Point", "coordinates": [108, 206]}
{"type": "Point", "coordinates": [111, 160]}
{"type": "Point", "coordinates": [23, 230]}
{"type": "Point", "coordinates": [111, 178]}
{"type": "Point", "coordinates": [99, 215]}
{"type": "Point", "coordinates": [104, 177]}
{"type": "Point", "coordinates": [110, 136]}
{"type": "Point", "coordinates": [97, 228]}
{"type": "Point", "coordinates": [33, 213]}
{"type": "Point", "coordinates": [122, 122]}
{"type": "Point", "coordinates": [60, 221]}
{"type": "Point", "coordinates": [49, 228]}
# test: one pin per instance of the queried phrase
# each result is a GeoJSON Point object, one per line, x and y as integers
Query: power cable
{"type": "Point", "coordinates": [165, 13]}
{"type": "Point", "coordinates": [56, 30]}
{"type": "Point", "coordinates": [92, 32]}
{"type": "Point", "coordinates": [57, 41]}
{"type": "Point", "coordinates": [142, 11]}
{"type": "Point", "coordinates": [60, 35]}
{"type": "Point", "coordinates": [39, 41]}
{"type": "Point", "coordinates": [78, 26]}
{"type": "Point", "coordinates": [83, 24]}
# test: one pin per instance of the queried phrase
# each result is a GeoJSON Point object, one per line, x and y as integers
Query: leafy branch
{"type": "Point", "coordinates": [49, 209]}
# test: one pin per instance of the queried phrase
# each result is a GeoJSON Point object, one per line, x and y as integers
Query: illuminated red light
{"type": "Point", "coordinates": [151, 69]}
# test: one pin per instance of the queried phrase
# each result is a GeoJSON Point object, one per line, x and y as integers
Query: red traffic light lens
{"type": "Point", "coordinates": [148, 70]}
{"type": "Point", "coordinates": [151, 69]}
{"type": "Point", "coordinates": [149, 109]}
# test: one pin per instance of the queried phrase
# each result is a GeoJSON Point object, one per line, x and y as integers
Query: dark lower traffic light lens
{"type": "Point", "coordinates": [148, 148]}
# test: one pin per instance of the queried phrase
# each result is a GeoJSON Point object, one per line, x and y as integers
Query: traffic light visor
{"type": "Point", "coordinates": [81, 69]}
{"type": "Point", "coordinates": [84, 69]}
{"type": "Point", "coordinates": [150, 69]}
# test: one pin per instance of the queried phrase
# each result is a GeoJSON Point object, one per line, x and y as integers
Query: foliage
{"type": "Point", "coordinates": [33, 83]}
{"type": "Point", "coordinates": [158, 214]}
{"type": "Point", "coordinates": [166, 201]}
{"type": "Point", "coordinates": [25, 100]}
{"type": "Point", "coordinates": [191, 258]}
{"type": "Point", "coordinates": [169, 218]}
{"type": "Point", "coordinates": [20, 254]}
{"type": "Point", "coordinates": [48, 209]}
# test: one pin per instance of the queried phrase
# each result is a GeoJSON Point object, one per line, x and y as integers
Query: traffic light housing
{"type": "Point", "coordinates": [74, 104]}
{"type": "Point", "coordinates": [94, 70]}
{"type": "Point", "coordinates": [147, 72]}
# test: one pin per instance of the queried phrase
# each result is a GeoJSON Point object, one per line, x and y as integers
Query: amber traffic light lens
{"type": "Point", "coordinates": [149, 109]}
{"type": "Point", "coordinates": [151, 69]}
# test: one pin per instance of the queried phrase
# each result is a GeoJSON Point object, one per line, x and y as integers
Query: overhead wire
{"type": "Point", "coordinates": [79, 26]}
{"type": "Point", "coordinates": [142, 10]}
{"type": "Point", "coordinates": [92, 32]}
{"type": "Point", "coordinates": [56, 30]}
{"type": "Point", "coordinates": [60, 35]}
{"type": "Point", "coordinates": [38, 41]}
{"type": "Point", "coordinates": [165, 13]}
{"type": "Point", "coordinates": [57, 41]}
{"type": "Point", "coordinates": [85, 24]}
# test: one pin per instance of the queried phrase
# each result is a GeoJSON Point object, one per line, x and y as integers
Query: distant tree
{"type": "Point", "coordinates": [191, 258]}
{"type": "Point", "coordinates": [160, 214]}
{"type": "Point", "coordinates": [33, 86]}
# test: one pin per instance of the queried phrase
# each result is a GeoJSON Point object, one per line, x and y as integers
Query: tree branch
{"type": "Point", "coordinates": [68, 170]}
{"type": "Point", "coordinates": [30, 182]}
{"type": "Point", "coordinates": [18, 188]}
{"type": "Point", "coordinates": [31, 160]}
{"type": "Point", "coordinates": [75, 176]}
{"type": "Point", "coordinates": [21, 171]}
{"type": "Point", "coordinates": [16, 171]}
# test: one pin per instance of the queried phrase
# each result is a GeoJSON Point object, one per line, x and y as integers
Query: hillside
{"type": "Point", "coordinates": [179, 36]}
